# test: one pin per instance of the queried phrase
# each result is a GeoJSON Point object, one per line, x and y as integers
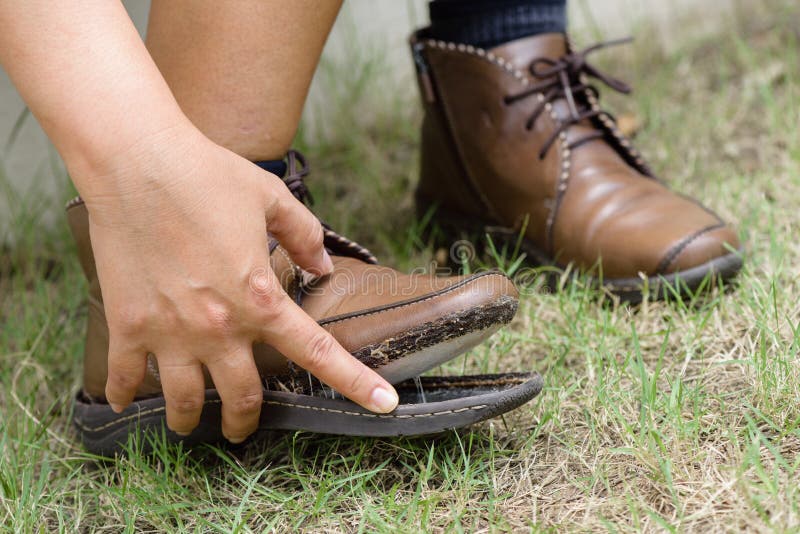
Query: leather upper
{"type": "Point", "coordinates": [589, 199]}
{"type": "Point", "coordinates": [360, 303]}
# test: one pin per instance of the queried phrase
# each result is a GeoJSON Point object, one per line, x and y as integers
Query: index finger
{"type": "Point", "coordinates": [298, 337]}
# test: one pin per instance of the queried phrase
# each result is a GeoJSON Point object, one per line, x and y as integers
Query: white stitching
{"type": "Point", "coordinates": [483, 54]}
{"type": "Point", "coordinates": [612, 127]}
{"type": "Point", "coordinates": [286, 404]}
{"type": "Point", "coordinates": [566, 153]}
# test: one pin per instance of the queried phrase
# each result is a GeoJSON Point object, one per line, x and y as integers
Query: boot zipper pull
{"type": "Point", "coordinates": [426, 85]}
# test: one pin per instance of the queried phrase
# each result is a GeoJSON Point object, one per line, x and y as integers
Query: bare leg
{"type": "Point", "coordinates": [241, 70]}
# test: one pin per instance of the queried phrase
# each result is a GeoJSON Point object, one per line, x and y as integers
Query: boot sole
{"type": "Point", "coordinates": [431, 344]}
{"type": "Point", "coordinates": [434, 405]}
{"type": "Point", "coordinates": [682, 284]}
{"type": "Point", "coordinates": [397, 359]}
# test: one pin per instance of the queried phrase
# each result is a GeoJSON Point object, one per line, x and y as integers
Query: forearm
{"type": "Point", "coordinates": [87, 77]}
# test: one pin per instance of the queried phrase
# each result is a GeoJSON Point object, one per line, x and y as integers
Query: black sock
{"type": "Point", "coordinates": [488, 23]}
{"type": "Point", "coordinates": [275, 166]}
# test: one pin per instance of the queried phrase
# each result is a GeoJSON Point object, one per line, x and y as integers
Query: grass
{"type": "Point", "coordinates": [678, 416]}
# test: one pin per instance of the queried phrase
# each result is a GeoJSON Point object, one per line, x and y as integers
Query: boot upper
{"type": "Point", "coordinates": [361, 303]}
{"type": "Point", "coordinates": [518, 129]}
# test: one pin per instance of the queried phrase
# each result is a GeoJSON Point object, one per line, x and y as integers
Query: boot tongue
{"type": "Point", "coordinates": [521, 52]}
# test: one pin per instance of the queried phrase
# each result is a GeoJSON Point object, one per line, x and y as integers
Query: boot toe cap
{"type": "Point", "coordinates": [699, 248]}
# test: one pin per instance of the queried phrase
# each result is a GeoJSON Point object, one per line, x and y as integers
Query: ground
{"type": "Point", "coordinates": [677, 416]}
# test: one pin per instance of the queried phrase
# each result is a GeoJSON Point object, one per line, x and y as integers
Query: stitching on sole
{"type": "Point", "coordinates": [138, 415]}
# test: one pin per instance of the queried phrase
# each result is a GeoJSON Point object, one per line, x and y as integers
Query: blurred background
{"type": "Point", "coordinates": [371, 33]}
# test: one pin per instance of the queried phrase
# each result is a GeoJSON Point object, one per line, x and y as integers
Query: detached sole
{"type": "Point", "coordinates": [298, 401]}
{"type": "Point", "coordinates": [431, 344]}
{"type": "Point", "coordinates": [434, 405]}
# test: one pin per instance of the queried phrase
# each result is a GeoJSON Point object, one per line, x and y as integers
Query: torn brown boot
{"type": "Point", "coordinates": [400, 325]}
{"type": "Point", "coordinates": [514, 144]}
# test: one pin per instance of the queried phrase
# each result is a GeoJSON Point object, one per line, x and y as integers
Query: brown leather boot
{"type": "Point", "coordinates": [514, 144]}
{"type": "Point", "coordinates": [397, 324]}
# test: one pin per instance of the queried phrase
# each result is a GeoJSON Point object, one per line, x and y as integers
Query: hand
{"type": "Point", "coordinates": [180, 241]}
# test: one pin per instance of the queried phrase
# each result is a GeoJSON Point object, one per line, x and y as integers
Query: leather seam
{"type": "Point", "coordinates": [702, 207]}
{"type": "Point", "coordinates": [140, 414]}
{"type": "Point", "coordinates": [675, 251]}
{"type": "Point", "coordinates": [481, 53]}
{"type": "Point", "coordinates": [478, 52]}
{"type": "Point", "coordinates": [620, 139]}
{"type": "Point", "coordinates": [565, 152]}
{"type": "Point", "coordinates": [400, 305]}
{"type": "Point", "coordinates": [561, 189]}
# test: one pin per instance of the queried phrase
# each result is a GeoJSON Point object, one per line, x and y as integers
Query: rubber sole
{"type": "Point", "coordinates": [681, 284]}
{"type": "Point", "coordinates": [288, 400]}
{"type": "Point", "coordinates": [435, 405]}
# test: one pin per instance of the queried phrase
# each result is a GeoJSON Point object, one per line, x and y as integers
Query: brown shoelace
{"type": "Point", "coordinates": [336, 244]}
{"type": "Point", "coordinates": [562, 79]}
{"type": "Point", "coordinates": [296, 170]}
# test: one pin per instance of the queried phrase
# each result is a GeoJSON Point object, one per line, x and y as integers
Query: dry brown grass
{"type": "Point", "coordinates": [663, 417]}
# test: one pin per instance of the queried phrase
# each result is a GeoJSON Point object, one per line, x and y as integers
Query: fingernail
{"type": "Point", "coordinates": [236, 441]}
{"type": "Point", "coordinates": [182, 434]}
{"type": "Point", "coordinates": [383, 400]}
{"type": "Point", "coordinates": [117, 407]}
{"type": "Point", "coordinates": [327, 262]}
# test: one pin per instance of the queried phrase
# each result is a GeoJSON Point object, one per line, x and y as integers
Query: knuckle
{"type": "Point", "coordinates": [218, 318]}
{"type": "Point", "coordinates": [319, 351]}
{"type": "Point", "coordinates": [272, 203]}
{"type": "Point", "coordinates": [122, 381]}
{"type": "Point", "coordinates": [247, 404]}
{"type": "Point", "coordinates": [129, 321]}
{"type": "Point", "coordinates": [271, 303]}
{"type": "Point", "coordinates": [315, 237]}
{"type": "Point", "coordinates": [185, 405]}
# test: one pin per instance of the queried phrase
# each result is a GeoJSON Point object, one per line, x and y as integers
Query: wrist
{"type": "Point", "coordinates": [99, 151]}
{"type": "Point", "coordinates": [130, 164]}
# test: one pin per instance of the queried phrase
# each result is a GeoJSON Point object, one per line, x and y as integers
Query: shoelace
{"type": "Point", "coordinates": [297, 169]}
{"type": "Point", "coordinates": [562, 80]}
